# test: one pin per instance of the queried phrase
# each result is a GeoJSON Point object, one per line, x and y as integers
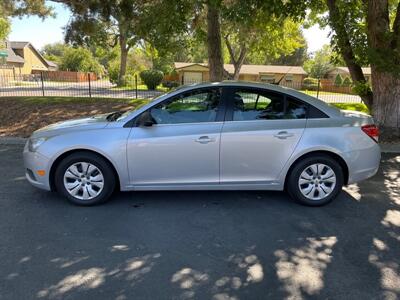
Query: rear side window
{"type": "Point", "coordinates": [295, 109]}
{"type": "Point", "coordinates": [249, 105]}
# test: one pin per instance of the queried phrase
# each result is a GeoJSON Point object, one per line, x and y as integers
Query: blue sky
{"type": "Point", "coordinates": [39, 32]}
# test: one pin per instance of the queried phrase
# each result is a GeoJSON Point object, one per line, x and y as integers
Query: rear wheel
{"type": "Point", "coordinates": [85, 178]}
{"type": "Point", "coordinates": [315, 181]}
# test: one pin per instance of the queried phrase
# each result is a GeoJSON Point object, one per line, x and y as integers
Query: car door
{"type": "Point", "coordinates": [261, 131]}
{"type": "Point", "coordinates": [181, 148]}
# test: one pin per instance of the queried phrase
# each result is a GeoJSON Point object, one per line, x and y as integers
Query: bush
{"type": "Point", "coordinates": [129, 80]}
{"type": "Point", "coordinates": [310, 84]}
{"type": "Point", "coordinates": [170, 84]}
{"type": "Point", "coordinates": [347, 82]}
{"type": "Point", "coordinates": [113, 72]}
{"type": "Point", "coordinates": [151, 78]}
{"type": "Point", "coordinates": [338, 80]}
{"type": "Point", "coordinates": [80, 60]}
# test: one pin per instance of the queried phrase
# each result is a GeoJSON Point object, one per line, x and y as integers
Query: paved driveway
{"type": "Point", "coordinates": [199, 245]}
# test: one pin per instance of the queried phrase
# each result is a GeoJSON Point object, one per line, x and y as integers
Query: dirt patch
{"type": "Point", "coordinates": [19, 117]}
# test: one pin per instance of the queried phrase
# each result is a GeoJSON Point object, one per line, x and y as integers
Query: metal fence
{"type": "Point", "coordinates": [41, 84]}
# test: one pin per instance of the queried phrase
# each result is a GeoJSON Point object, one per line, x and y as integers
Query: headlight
{"type": "Point", "coordinates": [34, 143]}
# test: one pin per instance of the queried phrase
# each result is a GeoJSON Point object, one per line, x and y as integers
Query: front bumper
{"type": "Point", "coordinates": [33, 162]}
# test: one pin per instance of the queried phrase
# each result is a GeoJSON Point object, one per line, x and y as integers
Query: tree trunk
{"type": "Point", "coordinates": [386, 107]}
{"type": "Point", "coordinates": [347, 51]}
{"type": "Point", "coordinates": [214, 47]}
{"type": "Point", "coordinates": [386, 86]}
{"type": "Point", "coordinates": [123, 60]}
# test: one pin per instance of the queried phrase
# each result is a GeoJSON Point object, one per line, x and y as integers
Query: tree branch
{"type": "Point", "coordinates": [230, 49]}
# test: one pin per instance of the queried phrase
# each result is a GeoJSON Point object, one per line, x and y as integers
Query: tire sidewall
{"type": "Point", "coordinates": [293, 187]}
{"type": "Point", "coordinates": [99, 162]}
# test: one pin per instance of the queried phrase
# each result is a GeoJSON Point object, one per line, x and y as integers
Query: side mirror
{"type": "Point", "coordinates": [145, 119]}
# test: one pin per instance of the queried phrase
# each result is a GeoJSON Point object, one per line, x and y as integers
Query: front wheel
{"type": "Point", "coordinates": [85, 178]}
{"type": "Point", "coordinates": [315, 181]}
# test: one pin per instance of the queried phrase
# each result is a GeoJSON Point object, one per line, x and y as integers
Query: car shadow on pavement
{"type": "Point", "coordinates": [203, 245]}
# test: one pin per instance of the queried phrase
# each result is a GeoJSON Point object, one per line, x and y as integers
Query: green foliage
{"type": "Point", "coordinates": [113, 72]}
{"type": "Point", "coordinates": [361, 88]}
{"type": "Point", "coordinates": [54, 52]}
{"type": "Point", "coordinates": [352, 106]}
{"type": "Point", "coordinates": [80, 59]}
{"type": "Point", "coordinates": [310, 84]}
{"type": "Point", "coordinates": [18, 8]}
{"type": "Point", "coordinates": [347, 82]}
{"type": "Point", "coordinates": [151, 78]}
{"type": "Point", "coordinates": [4, 28]}
{"type": "Point", "coordinates": [320, 64]}
{"type": "Point", "coordinates": [338, 80]}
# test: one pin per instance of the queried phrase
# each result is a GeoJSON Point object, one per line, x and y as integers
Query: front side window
{"type": "Point", "coordinates": [265, 105]}
{"type": "Point", "coordinates": [193, 107]}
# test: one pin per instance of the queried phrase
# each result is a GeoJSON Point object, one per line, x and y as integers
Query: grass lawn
{"type": "Point", "coordinates": [141, 87]}
{"type": "Point", "coordinates": [352, 106]}
{"type": "Point", "coordinates": [314, 93]}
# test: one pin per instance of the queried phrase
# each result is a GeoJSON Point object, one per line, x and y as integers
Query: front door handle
{"type": "Point", "coordinates": [283, 135]}
{"type": "Point", "coordinates": [204, 140]}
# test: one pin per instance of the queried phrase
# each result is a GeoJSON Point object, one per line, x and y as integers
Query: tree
{"type": "Point", "coordinates": [346, 82]}
{"type": "Point", "coordinates": [258, 34]}
{"type": "Point", "coordinates": [320, 63]}
{"type": "Point", "coordinates": [4, 28]}
{"type": "Point", "coordinates": [367, 32]}
{"type": "Point", "coordinates": [338, 80]}
{"type": "Point", "coordinates": [125, 23]}
{"type": "Point", "coordinates": [214, 47]}
{"type": "Point", "coordinates": [79, 60]}
{"type": "Point", "coordinates": [296, 58]}
{"type": "Point", "coordinates": [54, 52]}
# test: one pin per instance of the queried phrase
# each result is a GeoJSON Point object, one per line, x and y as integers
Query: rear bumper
{"type": "Point", "coordinates": [363, 164]}
{"type": "Point", "coordinates": [34, 162]}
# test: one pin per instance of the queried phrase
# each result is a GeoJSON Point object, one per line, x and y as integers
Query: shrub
{"type": "Point", "coordinates": [310, 84]}
{"type": "Point", "coordinates": [113, 72]}
{"type": "Point", "coordinates": [170, 84]}
{"type": "Point", "coordinates": [151, 78]}
{"type": "Point", "coordinates": [338, 80]}
{"type": "Point", "coordinates": [347, 82]}
{"type": "Point", "coordinates": [80, 60]}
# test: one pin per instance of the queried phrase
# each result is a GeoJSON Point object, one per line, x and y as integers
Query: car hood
{"type": "Point", "coordinates": [95, 122]}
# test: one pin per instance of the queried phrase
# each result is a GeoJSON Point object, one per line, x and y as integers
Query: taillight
{"type": "Point", "coordinates": [372, 131]}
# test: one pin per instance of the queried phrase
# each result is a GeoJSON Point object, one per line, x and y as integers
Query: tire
{"type": "Point", "coordinates": [322, 189]}
{"type": "Point", "coordinates": [94, 186]}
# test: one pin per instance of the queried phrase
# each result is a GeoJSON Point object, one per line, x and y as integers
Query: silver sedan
{"type": "Point", "coordinates": [220, 136]}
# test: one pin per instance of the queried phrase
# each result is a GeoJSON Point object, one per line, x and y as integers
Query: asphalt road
{"type": "Point", "coordinates": [199, 245]}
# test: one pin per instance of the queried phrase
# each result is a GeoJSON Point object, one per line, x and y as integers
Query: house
{"type": "Point", "coordinates": [344, 72]}
{"type": "Point", "coordinates": [23, 58]}
{"type": "Point", "coordinates": [198, 72]}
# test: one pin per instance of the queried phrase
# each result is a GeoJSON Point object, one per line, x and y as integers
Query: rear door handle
{"type": "Point", "coordinates": [204, 140]}
{"type": "Point", "coordinates": [283, 135]}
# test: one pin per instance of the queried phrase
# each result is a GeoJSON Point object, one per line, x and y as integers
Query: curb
{"type": "Point", "coordinates": [385, 148]}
